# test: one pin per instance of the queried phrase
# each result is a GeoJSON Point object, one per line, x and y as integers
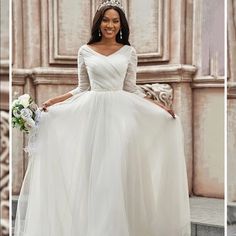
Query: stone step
{"type": "Point", "coordinates": [231, 230]}
{"type": "Point", "coordinates": [231, 212]}
{"type": "Point", "coordinates": [207, 216]}
{"type": "Point", "coordinates": [231, 219]}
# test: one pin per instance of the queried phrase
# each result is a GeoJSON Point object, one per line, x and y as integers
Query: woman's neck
{"type": "Point", "coordinates": [108, 41]}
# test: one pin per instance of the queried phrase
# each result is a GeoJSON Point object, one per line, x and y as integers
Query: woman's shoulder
{"type": "Point", "coordinates": [82, 47]}
{"type": "Point", "coordinates": [131, 50]}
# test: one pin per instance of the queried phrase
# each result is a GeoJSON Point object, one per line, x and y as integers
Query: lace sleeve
{"type": "Point", "coordinates": [83, 79]}
{"type": "Point", "coordinates": [130, 78]}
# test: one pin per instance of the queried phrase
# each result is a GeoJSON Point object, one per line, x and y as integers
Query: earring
{"type": "Point", "coordinates": [99, 33]}
{"type": "Point", "coordinates": [120, 34]}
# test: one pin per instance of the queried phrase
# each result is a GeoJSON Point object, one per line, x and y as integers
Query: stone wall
{"type": "Point", "coordinates": [208, 98]}
{"type": "Point", "coordinates": [172, 49]}
{"type": "Point", "coordinates": [231, 101]}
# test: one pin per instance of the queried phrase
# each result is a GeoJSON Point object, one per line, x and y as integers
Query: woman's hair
{"type": "Point", "coordinates": [97, 22]}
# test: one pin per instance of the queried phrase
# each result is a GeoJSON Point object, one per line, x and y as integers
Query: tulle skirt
{"type": "Point", "coordinates": [105, 163]}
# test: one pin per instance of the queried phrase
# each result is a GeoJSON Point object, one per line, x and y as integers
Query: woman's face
{"type": "Point", "coordinates": [110, 24]}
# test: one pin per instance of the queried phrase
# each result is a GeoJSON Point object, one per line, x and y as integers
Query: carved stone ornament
{"type": "Point", "coordinates": [4, 174]}
{"type": "Point", "coordinates": [163, 93]}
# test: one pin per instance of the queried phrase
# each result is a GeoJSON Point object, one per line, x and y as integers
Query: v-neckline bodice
{"type": "Point", "coordinates": [90, 48]}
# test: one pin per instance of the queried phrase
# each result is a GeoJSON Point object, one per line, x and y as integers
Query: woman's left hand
{"type": "Point", "coordinates": [170, 111]}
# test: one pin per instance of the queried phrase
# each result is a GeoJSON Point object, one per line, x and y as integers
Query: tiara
{"type": "Point", "coordinates": [114, 3]}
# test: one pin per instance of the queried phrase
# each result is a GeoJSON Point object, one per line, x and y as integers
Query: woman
{"type": "Point", "coordinates": [106, 161]}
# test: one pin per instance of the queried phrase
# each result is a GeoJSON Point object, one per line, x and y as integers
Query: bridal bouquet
{"type": "Point", "coordinates": [25, 113]}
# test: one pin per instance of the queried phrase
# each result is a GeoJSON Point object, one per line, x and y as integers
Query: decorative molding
{"type": "Point", "coordinates": [4, 97]}
{"type": "Point", "coordinates": [4, 84]}
{"type": "Point", "coordinates": [4, 68]}
{"type": "Point", "coordinates": [162, 53]}
{"type": "Point", "coordinates": [231, 90]}
{"type": "Point", "coordinates": [173, 73]}
{"type": "Point", "coordinates": [197, 34]}
{"type": "Point", "coordinates": [207, 59]}
{"type": "Point", "coordinates": [208, 82]}
{"type": "Point", "coordinates": [4, 174]}
{"type": "Point", "coordinates": [55, 57]}
{"type": "Point", "coordinates": [145, 74]}
{"type": "Point", "coordinates": [19, 76]}
{"type": "Point", "coordinates": [54, 76]}
{"type": "Point", "coordinates": [231, 35]}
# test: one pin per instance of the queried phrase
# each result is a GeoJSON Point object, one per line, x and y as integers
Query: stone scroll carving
{"type": "Point", "coordinates": [4, 174]}
{"type": "Point", "coordinates": [163, 93]}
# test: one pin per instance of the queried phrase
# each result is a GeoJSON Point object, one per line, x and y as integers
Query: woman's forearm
{"type": "Point", "coordinates": [55, 100]}
{"type": "Point", "coordinates": [60, 98]}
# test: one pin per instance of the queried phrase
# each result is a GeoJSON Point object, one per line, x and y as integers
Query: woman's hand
{"type": "Point", "coordinates": [47, 104]}
{"type": "Point", "coordinates": [55, 100]}
{"type": "Point", "coordinates": [170, 111]}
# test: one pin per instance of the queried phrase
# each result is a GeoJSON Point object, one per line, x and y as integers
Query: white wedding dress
{"type": "Point", "coordinates": [105, 162]}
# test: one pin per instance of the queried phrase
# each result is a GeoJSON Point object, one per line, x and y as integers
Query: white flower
{"type": "Point", "coordinates": [37, 116]}
{"type": "Point", "coordinates": [28, 126]}
{"type": "Point", "coordinates": [26, 113]}
{"type": "Point", "coordinates": [29, 123]}
{"type": "Point", "coordinates": [16, 113]}
{"type": "Point", "coordinates": [33, 106]}
{"type": "Point", "coordinates": [24, 100]}
{"type": "Point", "coordinates": [15, 102]}
{"type": "Point", "coordinates": [24, 96]}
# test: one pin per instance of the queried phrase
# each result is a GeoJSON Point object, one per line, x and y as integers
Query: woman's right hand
{"type": "Point", "coordinates": [47, 104]}
{"type": "Point", "coordinates": [55, 100]}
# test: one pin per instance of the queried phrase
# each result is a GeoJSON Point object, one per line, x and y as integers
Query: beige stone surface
{"type": "Point", "coordinates": [183, 108]}
{"type": "Point", "coordinates": [231, 31]}
{"type": "Point", "coordinates": [208, 98]}
{"type": "Point", "coordinates": [231, 113]}
{"type": "Point", "coordinates": [4, 26]}
{"type": "Point", "coordinates": [231, 150]}
{"type": "Point", "coordinates": [169, 51]}
{"type": "Point", "coordinates": [208, 113]}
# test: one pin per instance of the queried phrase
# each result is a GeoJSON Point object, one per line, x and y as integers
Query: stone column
{"type": "Point", "coordinates": [208, 98]}
{"type": "Point", "coordinates": [231, 101]}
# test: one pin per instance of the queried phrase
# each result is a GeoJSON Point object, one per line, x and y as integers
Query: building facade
{"type": "Point", "coordinates": [179, 42]}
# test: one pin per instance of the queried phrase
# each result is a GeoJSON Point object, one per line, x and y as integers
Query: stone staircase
{"type": "Point", "coordinates": [207, 216]}
{"type": "Point", "coordinates": [231, 219]}
{"type": "Point", "coordinates": [231, 230]}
